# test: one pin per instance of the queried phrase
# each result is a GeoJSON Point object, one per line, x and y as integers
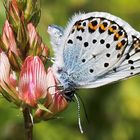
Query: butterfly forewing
{"type": "Point", "coordinates": [95, 50]}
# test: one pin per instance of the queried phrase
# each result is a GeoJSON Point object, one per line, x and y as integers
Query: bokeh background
{"type": "Point", "coordinates": [113, 110]}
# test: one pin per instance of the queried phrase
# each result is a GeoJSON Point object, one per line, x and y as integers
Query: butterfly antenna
{"type": "Point", "coordinates": [78, 114]}
{"type": "Point", "coordinates": [83, 105]}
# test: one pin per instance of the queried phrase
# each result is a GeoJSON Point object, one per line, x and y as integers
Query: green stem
{"type": "Point", "coordinates": [28, 123]}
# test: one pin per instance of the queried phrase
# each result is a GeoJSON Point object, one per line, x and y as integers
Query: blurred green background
{"type": "Point", "coordinates": [113, 110]}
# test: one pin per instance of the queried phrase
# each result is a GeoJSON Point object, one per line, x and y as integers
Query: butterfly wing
{"type": "Point", "coordinates": [95, 49]}
{"type": "Point", "coordinates": [56, 33]}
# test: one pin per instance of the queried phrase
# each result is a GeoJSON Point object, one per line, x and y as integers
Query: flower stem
{"type": "Point", "coordinates": [28, 123]}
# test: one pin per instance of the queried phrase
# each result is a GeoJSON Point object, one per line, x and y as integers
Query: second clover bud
{"type": "Point", "coordinates": [32, 81]}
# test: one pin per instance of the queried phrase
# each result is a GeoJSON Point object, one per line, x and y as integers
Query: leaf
{"type": "Point", "coordinates": [42, 107]}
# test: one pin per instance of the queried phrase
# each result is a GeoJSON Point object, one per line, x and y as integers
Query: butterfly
{"type": "Point", "coordinates": [94, 49]}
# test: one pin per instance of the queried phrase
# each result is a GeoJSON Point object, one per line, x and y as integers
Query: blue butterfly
{"type": "Point", "coordinates": [95, 49]}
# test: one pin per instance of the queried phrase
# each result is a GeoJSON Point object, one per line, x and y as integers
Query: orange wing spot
{"type": "Point", "coordinates": [103, 27]}
{"type": "Point", "coordinates": [80, 28]}
{"type": "Point", "coordinates": [92, 27]}
{"type": "Point", "coordinates": [117, 35]}
{"type": "Point", "coordinates": [119, 46]}
{"type": "Point", "coordinates": [112, 30]}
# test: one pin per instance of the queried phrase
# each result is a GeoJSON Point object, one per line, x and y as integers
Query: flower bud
{"type": "Point", "coordinates": [55, 102]}
{"type": "Point", "coordinates": [8, 39]}
{"type": "Point", "coordinates": [7, 80]}
{"type": "Point", "coordinates": [10, 47]}
{"type": "Point", "coordinates": [22, 10]}
{"type": "Point", "coordinates": [32, 11]}
{"type": "Point", "coordinates": [37, 47]}
{"type": "Point", "coordinates": [13, 13]}
{"type": "Point", "coordinates": [32, 81]}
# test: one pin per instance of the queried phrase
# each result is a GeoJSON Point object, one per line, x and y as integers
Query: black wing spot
{"type": "Point", "coordinates": [102, 41]}
{"type": "Point", "coordinates": [94, 23]}
{"type": "Point", "coordinates": [94, 41]}
{"type": "Point", "coordinates": [118, 55]}
{"type": "Point", "coordinates": [85, 44]}
{"type": "Point", "coordinates": [108, 54]}
{"type": "Point", "coordinates": [107, 45]}
{"type": "Point", "coordinates": [91, 70]}
{"type": "Point", "coordinates": [123, 42]}
{"type": "Point", "coordinates": [83, 60]}
{"type": "Point", "coordinates": [120, 33]}
{"type": "Point", "coordinates": [114, 69]}
{"type": "Point", "coordinates": [84, 23]}
{"type": "Point", "coordinates": [70, 41]}
{"type": "Point", "coordinates": [127, 56]}
{"type": "Point", "coordinates": [106, 64]}
{"type": "Point", "coordinates": [130, 61]}
{"type": "Point", "coordinates": [114, 27]}
{"type": "Point", "coordinates": [93, 55]}
{"type": "Point", "coordinates": [132, 67]}
{"type": "Point", "coordinates": [72, 31]}
{"type": "Point", "coordinates": [79, 37]}
{"type": "Point", "coordinates": [105, 24]}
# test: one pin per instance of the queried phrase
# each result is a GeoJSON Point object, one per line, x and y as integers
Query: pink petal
{"type": "Point", "coordinates": [4, 67]}
{"type": "Point", "coordinates": [32, 81]}
{"type": "Point", "coordinates": [58, 101]}
{"type": "Point", "coordinates": [33, 35]}
{"type": "Point", "coordinates": [52, 82]}
{"type": "Point", "coordinates": [8, 38]}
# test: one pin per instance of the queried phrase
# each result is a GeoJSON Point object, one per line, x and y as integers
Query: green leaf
{"type": "Point", "coordinates": [42, 107]}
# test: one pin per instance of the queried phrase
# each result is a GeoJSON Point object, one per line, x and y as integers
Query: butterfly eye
{"type": "Point", "coordinates": [59, 70]}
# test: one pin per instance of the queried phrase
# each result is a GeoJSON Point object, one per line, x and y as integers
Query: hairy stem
{"type": "Point", "coordinates": [28, 123]}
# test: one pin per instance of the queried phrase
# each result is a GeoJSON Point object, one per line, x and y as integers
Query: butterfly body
{"type": "Point", "coordinates": [94, 50]}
